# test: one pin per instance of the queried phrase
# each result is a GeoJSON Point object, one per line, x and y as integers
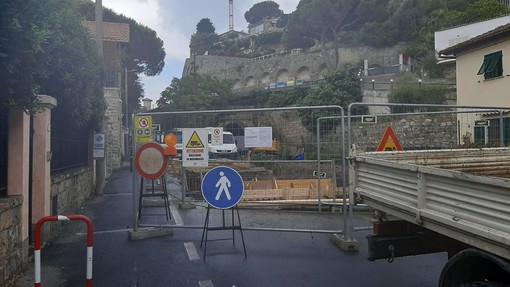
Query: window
{"type": "Point", "coordinates": [490, 134]}
{"type": "Point", "coordinates": [492, 66]}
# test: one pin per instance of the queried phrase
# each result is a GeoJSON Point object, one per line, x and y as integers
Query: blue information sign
{"type": "Point", "coordinates": [222, 187]}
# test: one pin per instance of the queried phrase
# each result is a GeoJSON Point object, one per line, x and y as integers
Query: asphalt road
{"type": "Point", "coordinates": [274, 258]}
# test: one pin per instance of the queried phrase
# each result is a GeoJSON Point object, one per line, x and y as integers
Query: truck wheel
{"type": "Point", "coordinates": [475, 268]}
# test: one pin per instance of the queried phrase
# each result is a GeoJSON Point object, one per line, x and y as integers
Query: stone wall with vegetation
{"type": "Point", "coordinates": [307, 65]}
{"type": "Point", "coordinates": [12, 253]}
{"type": "Point", "coordinates": [70, 189]}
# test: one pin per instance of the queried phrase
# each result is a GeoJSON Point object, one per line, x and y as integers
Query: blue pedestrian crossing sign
{"type": "Point", "coordinates": [222, 187]}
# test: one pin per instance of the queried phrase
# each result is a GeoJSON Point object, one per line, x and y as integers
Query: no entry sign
{"type": "Point", "coordinates": [150, 161]}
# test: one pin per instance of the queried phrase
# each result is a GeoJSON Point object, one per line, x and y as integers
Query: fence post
{"type": "Point", "coordinates": [37, 245]}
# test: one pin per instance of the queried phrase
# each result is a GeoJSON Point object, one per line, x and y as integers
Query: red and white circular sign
{"type": "Point", "coordinates": [143, 122]}
{"type": "Point", "coordinates": [150, 161]}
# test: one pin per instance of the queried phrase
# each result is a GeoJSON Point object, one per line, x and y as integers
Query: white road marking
{"type": "Point", "coordinates": [191, 250]}
{"type": "Point", "coordinates": [175, 215]}
{"type": "Point", "coordinates": [205, 283]}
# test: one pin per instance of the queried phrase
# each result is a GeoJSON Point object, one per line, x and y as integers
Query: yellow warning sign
{"type": "Point", "coordinates": [143, 129]}
{"type": "Point", "coordinates": [389, 141]}
{"type": "Point", "coordinates": [195, 141]}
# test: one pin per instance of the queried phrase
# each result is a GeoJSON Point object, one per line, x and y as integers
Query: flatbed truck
{"type": "Point", "coordinates": [454, 201]}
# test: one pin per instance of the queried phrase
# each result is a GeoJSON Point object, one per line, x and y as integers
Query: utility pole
{"type": "Point", "coordinates": [100, 162]}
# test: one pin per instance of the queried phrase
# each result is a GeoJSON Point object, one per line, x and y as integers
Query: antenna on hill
{"type": "Point", "coordinates": [231, 15]}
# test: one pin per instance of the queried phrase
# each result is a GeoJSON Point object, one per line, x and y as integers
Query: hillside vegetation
{"type": "Point", "coordinates": [328, 24]}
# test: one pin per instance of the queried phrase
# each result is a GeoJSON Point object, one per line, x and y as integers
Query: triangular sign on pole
{"type": "Point", "coordinates": [389, 141]}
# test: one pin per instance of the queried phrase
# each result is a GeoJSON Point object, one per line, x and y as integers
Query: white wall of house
{"type": "Point", "coordinates": [447, 38]}
{"type": "Point", "coordinates": [473, 89]}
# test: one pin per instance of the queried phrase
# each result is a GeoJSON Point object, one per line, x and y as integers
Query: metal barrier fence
{"type": "Point", "coordinates": [431, 126]}
{"type": "Point", "coordinates": [291, 186]}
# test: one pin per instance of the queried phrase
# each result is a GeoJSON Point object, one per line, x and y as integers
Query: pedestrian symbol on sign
{"type": "Point", "coordinates": [222, 187]}
{"type": "Point", "coordinates": [223, 184]}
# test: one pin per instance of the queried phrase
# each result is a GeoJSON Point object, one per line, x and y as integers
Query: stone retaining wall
{"type": "Point", "coordinates": [69, 190]}
{"type": "Point", "coordinates": [13, 252]}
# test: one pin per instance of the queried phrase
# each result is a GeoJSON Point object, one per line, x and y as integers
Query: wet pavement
{"type": "Point", "coordinates": [275, 256]}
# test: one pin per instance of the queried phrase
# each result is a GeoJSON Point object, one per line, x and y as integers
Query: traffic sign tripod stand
{"type": "Point", "coordinates": [152, 193]}
{"type": "Point", "coordinates": [232, 227]}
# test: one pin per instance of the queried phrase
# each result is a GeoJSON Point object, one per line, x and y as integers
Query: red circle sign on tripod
{"type": "Point", "coordinates": [150, 161]}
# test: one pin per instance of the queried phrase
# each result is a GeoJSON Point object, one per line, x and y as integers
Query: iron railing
{"type": "Point", "coordinates": [69, 147]}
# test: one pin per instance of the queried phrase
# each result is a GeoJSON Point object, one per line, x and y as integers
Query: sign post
{"type": "Point", "coordinates": [151, 164]}
{"type": "Point", "coordinates": [222, 188]}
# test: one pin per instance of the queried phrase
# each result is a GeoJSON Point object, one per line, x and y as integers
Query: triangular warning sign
{"type": "Point", "coordinates": [389, 141]}
{"type": "Point", "coordinates": [195, 141]}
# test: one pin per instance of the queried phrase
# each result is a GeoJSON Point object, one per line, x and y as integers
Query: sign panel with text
{"type": "Point", "coordinates": [195, 148]}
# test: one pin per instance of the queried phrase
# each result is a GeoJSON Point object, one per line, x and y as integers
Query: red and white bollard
{"type": "Point", "coordinates": [37, 244]}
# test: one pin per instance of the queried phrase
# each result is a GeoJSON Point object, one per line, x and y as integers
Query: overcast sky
{"type": "Point", "coordinates": [175, 20]}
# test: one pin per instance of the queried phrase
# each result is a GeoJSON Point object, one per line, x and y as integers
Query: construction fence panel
{"type": "Point", "coordinates": [296, 184]}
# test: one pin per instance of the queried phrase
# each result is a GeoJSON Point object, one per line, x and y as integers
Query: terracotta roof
{"type": "Point", "coordinates": [480, 40]}
{"type": "Point", "coordinates": [112, 32]}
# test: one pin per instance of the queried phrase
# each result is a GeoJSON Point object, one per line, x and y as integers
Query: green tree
{"type": "Point", "coordinates": [439, 15]}
{"type": "Point", "coordinates": [205, 39]}
{"type": "Point", "coordinates": [23, 30]}
{"type": "Point", "coordinates": [341, 88]}
{"type": "Point", "coordinates": [44, 49]}
{"type": "Point", "coordinates": [202, 42]}
{"type": "Point", "coordinates": [144, 54]}
{"type": "Point", "coordinates": [482, 10]}
{"type": "Point", "coordinates": [287, 98]}
{"type": "Point", "coordinates": [184, 94]}
{"type": "Point", "coordinates": [412, 93]}
{"type": "Point", "coordinates": [324, 23]}
{"type": "Point", "coordinates": [205, 26]}
{"type": "Point", "coordinates": [262, 10]}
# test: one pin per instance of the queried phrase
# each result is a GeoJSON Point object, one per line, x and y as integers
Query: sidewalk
{"type": "Point", "coordinates": [63, 261]}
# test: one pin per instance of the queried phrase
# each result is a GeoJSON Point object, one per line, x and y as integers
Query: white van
{"type": "Point", "coordinates": [226, 150]}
